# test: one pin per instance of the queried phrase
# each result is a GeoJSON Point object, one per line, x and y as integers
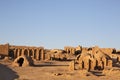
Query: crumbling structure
{"type": "Point", "coordinates": [70, 50]}
{"type": "Point", "coordinates": [72, 65]}
{"type": "Point", "coordinates": [23, 61]}
{"type": "Point", "coordinates": [73, 50]}
{"type": "Point", "coordinates": [95, 58]}
{"type": "Point", "coordinates": [15, 51]}
{"type": "Point", "coordinates": [56, 54]}
{"type": "Point", "coordinates": [4, 49]}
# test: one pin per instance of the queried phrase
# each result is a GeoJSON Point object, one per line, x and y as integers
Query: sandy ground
{"type": "Point", "coordinates": [52, 70]}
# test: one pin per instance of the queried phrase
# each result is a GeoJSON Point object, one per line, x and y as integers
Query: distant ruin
{"type": "Point", "coordinates": [92, 58]}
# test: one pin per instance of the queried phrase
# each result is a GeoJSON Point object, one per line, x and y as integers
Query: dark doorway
{"type": "Point", "coordinates": [26, 53]}
{"type": "Point", "coordinates": [35, 54]}
{"type": "Point", "coordinates": [39, 54]}
{"type": "Point", "coordinates": [83, 64]}
{"type": "Point", "coordinates": [11, 54]}
{"type": "Point", "coordinates": [20, 62]}
{"type": "Point", "coordinates": [30, 53]}
{"type": "Point", "coordinates": [68, 51]}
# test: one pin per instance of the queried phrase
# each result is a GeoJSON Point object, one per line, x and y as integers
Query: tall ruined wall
{"type": "Point", "coordinates": [37, 53]}
{"type": "Point", "coordinates": [4, 49]}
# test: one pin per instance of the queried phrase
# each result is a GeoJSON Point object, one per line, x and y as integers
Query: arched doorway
{"type": "Point", "coordinates": [39, 55]}
{"type": "Point", "coordinates": [25, 52]}
{"type": "Point", "coordinates": [20, 52]}
{"type": "Point", "coordinates": [11, 54]}
{"type": "Point", "coordinates": [68, 51]}
{"type": "Point", "coordinates": [20, 62]}
{"type": "Point", "coordinates": [30, 53]}
{"type": "Point", "coordinates": [16, 53]}
{"type": "Point", "coordinates": [35, 54]}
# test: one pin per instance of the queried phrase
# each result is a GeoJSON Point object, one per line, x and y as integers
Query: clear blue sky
{"type": "Point", "coordinates": [59, 23]}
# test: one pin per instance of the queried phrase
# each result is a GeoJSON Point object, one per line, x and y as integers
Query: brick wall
{"type": "Point", "coordinates": [4, 49]}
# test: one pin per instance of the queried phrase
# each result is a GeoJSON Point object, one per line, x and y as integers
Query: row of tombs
{"type": "Point", "coordinates": [93, 58]}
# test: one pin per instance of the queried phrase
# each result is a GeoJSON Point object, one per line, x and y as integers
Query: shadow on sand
{"type": "Point", "coordinates": [6, 73]}
{"type": "Point", "coordinates": [49, 64]}
{"type": "Point", "coordinates": [97, 73]}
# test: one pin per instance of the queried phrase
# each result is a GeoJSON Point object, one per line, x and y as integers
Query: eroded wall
{"type": "Point", "coordinates": [4, 49]}
{"type": "Point", "coordinates": [37, 53]}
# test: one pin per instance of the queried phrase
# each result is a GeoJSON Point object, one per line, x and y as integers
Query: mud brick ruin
{"type": "Point", "coordinates": [95, 58]}
{"type": "Point", "coordinates": [72, 66]}
{"type": "Point", "coordinates": [92, 58]}
{"type": "Point", "coordinates": [16, 51]}
{"type": "Point", "coordinates": [23, 61]}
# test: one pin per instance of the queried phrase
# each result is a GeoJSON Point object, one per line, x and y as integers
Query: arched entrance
{"type": "Point", "coordinates": [20, 52]}
{"type": "Point", "coordinates": [11, 54]}
{"type": "Point", "coordinates": [20, 62]}
{"type": "Point", "coordinates": [35, 54]}
{"type": "Point", "coordinates": [30, 53]}
{"type": "Point", "coordinates": [25, 52]}
{"type": "Point", "coordinates": [39, 55]}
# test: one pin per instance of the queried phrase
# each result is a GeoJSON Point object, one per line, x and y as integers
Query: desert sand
{"type": "Point", "coordinates": [53, 70]}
